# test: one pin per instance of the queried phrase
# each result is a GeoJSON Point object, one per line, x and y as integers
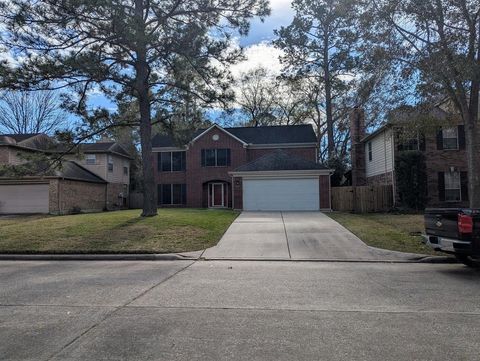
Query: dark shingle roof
{"type": "Point", "coordinates": [275, 134]}
{"type": "Point", "coordinates": [104, 147]}
{"type": "Point", "coordinates": [279, 160]}
{"type": "Point", "coordinates": [279, 134]}
{"type": "Point", "coordinates": [72, 170]}
{"type": "Point", "coordinates": [162, 140]}
{"type": "Point", "coordinates": [20, 137]}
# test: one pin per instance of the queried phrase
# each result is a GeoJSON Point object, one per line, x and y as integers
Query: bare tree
{"type": "Point", "coordinates": [24, 112]}
{"type": "Point", "coordinates": [256, 97]}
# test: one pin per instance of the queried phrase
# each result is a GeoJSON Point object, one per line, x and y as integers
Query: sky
{"type": "Point", "coordinates": [257, 45]}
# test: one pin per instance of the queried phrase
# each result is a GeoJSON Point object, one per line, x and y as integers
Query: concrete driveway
{"type": "Point", "coordinates": [292, 236]}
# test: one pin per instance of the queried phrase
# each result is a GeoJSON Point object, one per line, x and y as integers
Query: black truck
{"type": "Point", "coordinates": [455, 231]}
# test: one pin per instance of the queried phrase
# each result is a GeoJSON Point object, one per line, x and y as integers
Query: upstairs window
{"type": "Point", "coordinates": [91, 159]}
{"type": "Point", "coordinates": [410, 144]}
{"type": "Point", "coordinates": [215, 157]}
{"type": "Point", "coordinates": [370, 152]}
{"type": "Point", "coordinates": [453, 187]}
{"type": "Point", "coordinates": [450, 138]}
{"type": "Point", "coordinates": [171, 161]}
{"type": "Point", "coordinates": [110, 163]}
{"type": "Point", "coordinates": [125, 169]}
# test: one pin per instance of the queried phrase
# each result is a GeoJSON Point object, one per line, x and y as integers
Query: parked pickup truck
{"type": "Point", "coordinates": [455, 231]}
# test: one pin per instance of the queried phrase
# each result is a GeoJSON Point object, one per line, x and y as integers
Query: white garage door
{"type": "Point", "coordinates": [281, 194]}
{"type": "Point", "coordinates": [23, 198]}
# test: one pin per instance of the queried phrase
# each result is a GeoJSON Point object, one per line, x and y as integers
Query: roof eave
{"type": "Point", "coordinates": [283, 145]}
{"type": "Point", "coordinates": [376, 132]}
{"type": "Point", "coordinates": [282, 173]}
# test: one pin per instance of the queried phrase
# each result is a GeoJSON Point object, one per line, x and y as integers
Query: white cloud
{"type": "Point", "coordinates": [259, 55]}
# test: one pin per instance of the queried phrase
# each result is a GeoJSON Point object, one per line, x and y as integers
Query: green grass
{"type": "Point", "coordinates": [172, 230]}
{"type": "Point", "coordinates": [396, 232]}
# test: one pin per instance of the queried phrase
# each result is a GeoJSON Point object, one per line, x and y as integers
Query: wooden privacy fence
{"type": "Point", "coordinates": [362, 199]}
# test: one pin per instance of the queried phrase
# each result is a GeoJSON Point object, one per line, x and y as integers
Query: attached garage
{"type": "Point", "coordinates": [71, 189]}
{"type": "Point", "coordinates": [280, 181]}
{"type": "Point", "coordinates": [277, 194]}
{"type": "Point", "coordinates": [24, 198]}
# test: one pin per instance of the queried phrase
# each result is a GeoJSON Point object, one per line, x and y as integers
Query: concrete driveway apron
{"type": "Point", "coordinates": [289, 236]}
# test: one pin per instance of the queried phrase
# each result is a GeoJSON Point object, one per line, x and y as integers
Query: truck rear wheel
{"type": "Point", "coordinates": [468, 260]}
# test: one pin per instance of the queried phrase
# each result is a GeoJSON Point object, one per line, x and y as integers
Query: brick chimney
{"type": "Point", "coordinates": [357, 153]}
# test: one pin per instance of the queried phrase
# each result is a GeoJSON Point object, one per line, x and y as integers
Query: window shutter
{"type": "Point", "coordinates": [184, 194]}
{"type": "Point", "coordinates": [159, 162]}
{"type": "Point", "coordinates": [440, 139]}
{"type": "Point", "coordinates": [464, 185]}
{"type": "Point", "coordinates": [422, 145]}
{"type": "Point", "coordinates": [441, 186]}
{"type": "Point", "coordinates": [159, 192]}
{"type": "Point", "coordinates": [184, 161]}
{"type": "Point", "coordinates": [203, 157]}
{"type": "Point", "coordinates": [228, 157]}
{"type": "Point", "coordinates": [461, 137]}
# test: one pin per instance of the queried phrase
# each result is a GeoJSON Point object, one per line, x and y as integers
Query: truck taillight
{"type": "Point", "coordinates": [465, 224]}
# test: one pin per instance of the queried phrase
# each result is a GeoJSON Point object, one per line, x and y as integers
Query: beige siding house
{"type": "Point", "coordinates": [93, 178]}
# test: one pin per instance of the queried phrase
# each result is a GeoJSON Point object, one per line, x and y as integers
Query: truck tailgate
{"type": "Point", "coordinates": [442, 222]}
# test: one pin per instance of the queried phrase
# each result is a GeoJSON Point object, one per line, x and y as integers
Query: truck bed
{"type": "Point", "coordinates": [442, 229]}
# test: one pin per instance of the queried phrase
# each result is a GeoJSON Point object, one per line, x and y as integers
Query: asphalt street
{"type": "Point", "coordinates": [238, 310]}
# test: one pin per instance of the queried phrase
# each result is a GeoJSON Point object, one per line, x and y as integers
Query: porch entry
{"type": "Point", "coordinates": [217, 195]}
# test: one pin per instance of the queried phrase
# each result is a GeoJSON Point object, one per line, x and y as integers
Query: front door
{"type": "Point", "coordinates": [217, 195]}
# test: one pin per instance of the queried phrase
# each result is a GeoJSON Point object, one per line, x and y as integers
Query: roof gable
{"type": "Point", "coordinates": [216, 126]}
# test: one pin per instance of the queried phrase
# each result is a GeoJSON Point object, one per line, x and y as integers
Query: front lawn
{"type": "Point", "coordinates": [172, 230]}
{"type": "Point", "coordinates": [396, 232]}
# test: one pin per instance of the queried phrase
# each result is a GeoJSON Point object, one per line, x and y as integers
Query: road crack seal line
{"type": "Point", "coordinates": [286, 236]}
{"type": "Point", "coordinates": [113, 312]}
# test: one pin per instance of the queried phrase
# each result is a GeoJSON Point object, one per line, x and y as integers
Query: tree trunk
{"type": "Point", "coordinates": [472, 135]}
{"type": "Point", "coordinates": [142, 88]}
{"type": "Point", "coordinates": [328, 110]}
{"type": "Point", "coordinates": [328, 96]}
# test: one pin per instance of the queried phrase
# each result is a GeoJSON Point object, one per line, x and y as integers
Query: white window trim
{"type": "Point", "coordinates": [459, 187]}
{"type": "Point", "coordinates": [456, 138]}
{"type": "Point", "coordinates": [171, 195]}
{"type": "Point", "coordinates": [91, 157]}
{"type": "Point", "coordinates": [171, 161]}
{"type": "Point", "coordinates": [110, 161]}
{"type": "Point", "coordinates": [216, 158]}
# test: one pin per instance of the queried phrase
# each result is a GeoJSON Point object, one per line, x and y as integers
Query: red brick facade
{"type": "Point", "coordinates": [441, 161]}
{"type": "Point", "coordinates": [197, 177]}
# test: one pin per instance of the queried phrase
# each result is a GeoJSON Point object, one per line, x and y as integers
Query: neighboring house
{"type": "Point", "coordinates": [373, 158]}
{"type": "Point", "coordinates": [95, 180]}
{"type": "Point", "coordinates": [249, 168]}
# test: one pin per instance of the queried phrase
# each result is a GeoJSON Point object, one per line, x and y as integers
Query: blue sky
{"type": "Point", "coordinates": [257, 45]}
{"type": "Point", "coordinates": [282, 14]}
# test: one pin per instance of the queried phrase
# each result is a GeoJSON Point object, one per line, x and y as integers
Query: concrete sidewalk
{"type": "Point", "coordinates": [294, 236]}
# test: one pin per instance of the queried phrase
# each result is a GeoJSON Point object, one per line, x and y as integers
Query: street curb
{"type": "Point", "coordinates": [319, 260]}
{"type": "Point", "coordinates": [438, 259]}
{"type": "Point", "coordinates": [96, 257]}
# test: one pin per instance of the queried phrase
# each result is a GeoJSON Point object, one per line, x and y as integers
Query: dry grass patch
{"type": "Point", "coordinates": [396, 232]}
{"type": "Point", "coordinates": [172, 230]}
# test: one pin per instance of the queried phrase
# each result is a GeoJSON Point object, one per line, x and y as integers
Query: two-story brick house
{"type": "Point", "coordinates": [92, 178]}
{"type": "Point", "coordinates": [373, 157]}
{"type": "Point", "coordinates": [250, 168]}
